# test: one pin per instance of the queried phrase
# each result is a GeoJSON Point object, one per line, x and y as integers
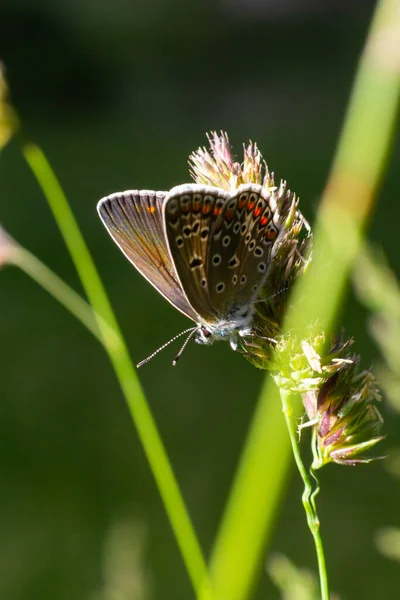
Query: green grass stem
{"type": "Point", "coordinates": [309, 495]}
{"type": "Point", "coordinates": [123, 367]}
{"type": "Point", "coordinates": [358, 169]}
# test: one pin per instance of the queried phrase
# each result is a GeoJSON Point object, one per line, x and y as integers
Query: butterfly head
{"type": "Point", "coordinates": [228, 329]}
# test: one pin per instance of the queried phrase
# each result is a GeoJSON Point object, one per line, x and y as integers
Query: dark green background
{"type": "Point", "coordinates": [118, 93]}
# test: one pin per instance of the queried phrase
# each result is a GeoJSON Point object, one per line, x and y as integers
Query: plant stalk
{"type": "Point", "coordinates": [308, 497]}
{"type": "Point", "coordinates": [120, 359]}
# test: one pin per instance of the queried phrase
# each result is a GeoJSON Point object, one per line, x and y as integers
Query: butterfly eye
{"type": "Point", "coordinates": [206, 332]}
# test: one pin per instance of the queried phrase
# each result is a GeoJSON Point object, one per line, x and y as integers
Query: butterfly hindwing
{"type": "Point", "coordinates": [134, 221]}
{"type": "Point", "coordinates": [240, 249]}
{"type": "Point", "coordinates": [190, 213]}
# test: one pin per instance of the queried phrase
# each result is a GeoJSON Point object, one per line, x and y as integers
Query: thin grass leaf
{"type": "Point", "coordinates": [125, 372]}
{"type": "Point", "coordinates": [357, 171]}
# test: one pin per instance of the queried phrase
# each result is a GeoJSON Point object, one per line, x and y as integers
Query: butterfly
{"type": "Point", "coordinates": [206, 250]}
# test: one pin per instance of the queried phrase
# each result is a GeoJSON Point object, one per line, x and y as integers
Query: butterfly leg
{"type": "Point", "coordinates": [302, 425]}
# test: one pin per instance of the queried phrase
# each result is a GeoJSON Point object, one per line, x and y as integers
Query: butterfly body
{"type": "Point", "coordinates": [206, 250]}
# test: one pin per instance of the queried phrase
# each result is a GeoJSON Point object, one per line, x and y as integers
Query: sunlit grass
{"type": "Point", "coordinates": [120, 359]}
{"type": "Point", "coordinates": [258, 488]}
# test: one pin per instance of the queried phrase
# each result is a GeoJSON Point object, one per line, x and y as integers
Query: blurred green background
{"type": "Point", "coordinates": [118, 93]}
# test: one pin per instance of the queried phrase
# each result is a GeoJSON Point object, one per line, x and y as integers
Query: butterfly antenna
{"type": "Point", "coordinates": [284, 289]}
{"type": "Point", "coordinates": [185, 343]}
{"type": "Point", "coordinates": [146, 360]}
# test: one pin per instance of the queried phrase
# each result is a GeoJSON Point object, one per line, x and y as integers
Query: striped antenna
{"type": "Point", "coordinates": [146, 360]}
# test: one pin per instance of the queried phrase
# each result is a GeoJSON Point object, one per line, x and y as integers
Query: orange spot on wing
{"type": "Point", "coordinates": [271, 234]}
{"type": "Point", "coordinates": [151, 209]}
{"type": "Point", "coordinates": [257, 212]}
{"type": "Point", "coordinates": [250, 206]}
{"type": "Point", "coordinates": [263, 221]}
{"type": "Point", "coordinates": [207, 209]}
{"type": "Point", "coordinates": [217, 211]}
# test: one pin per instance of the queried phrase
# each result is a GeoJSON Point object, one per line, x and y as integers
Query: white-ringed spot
{"type": "Point", "coordinates": [258, 252]}
{"type": "Point", "coordinates": [185, 200]}
{"type": "Point", "coordinates": [262, 267]}
{"type": "Point", "coordinates": [216, 260]}
{"type": "Point", "coordinates": [243, 279]}
{"type": "Point", "coordinates": [236, 228]}
{"type": "Point", "coordinates": [233, 262]}
{"type": "Point", "coordinates": [195, 263]}
{"type": "Point", "coordinates": [252, 245]}
{"type": "Point", "coordinates": [172, 207]}
{"type": "Point", "coordinates": [226, 240]}
{"type": "Point", "coordinates": [234, 279]}
{"type": "Point", "coordinates": [220, 287]}
{"type": "Point", "coordinates": [179, 241]}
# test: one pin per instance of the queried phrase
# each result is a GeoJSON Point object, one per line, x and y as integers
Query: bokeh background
{"type": "Point", "coordinates": [118, 93]}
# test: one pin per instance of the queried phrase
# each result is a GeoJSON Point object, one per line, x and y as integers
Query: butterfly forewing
{"type": "Point", "coordinates": [190, 213]}
{"type": "Point", "coordinates": [239, 251]}
{"type": "Point", "coordinates": [134, 221]}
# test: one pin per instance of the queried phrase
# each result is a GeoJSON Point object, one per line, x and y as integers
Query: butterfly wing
{"type": "Point", "coordinates": [239, 252]}
{"type": "Point", "coordinates": [190, 213]}
{"type": "Point", "coordinates": [134, 221]}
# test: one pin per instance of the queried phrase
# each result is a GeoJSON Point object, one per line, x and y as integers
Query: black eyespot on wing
{"type": "Point", "coordinates": [195, 263]}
